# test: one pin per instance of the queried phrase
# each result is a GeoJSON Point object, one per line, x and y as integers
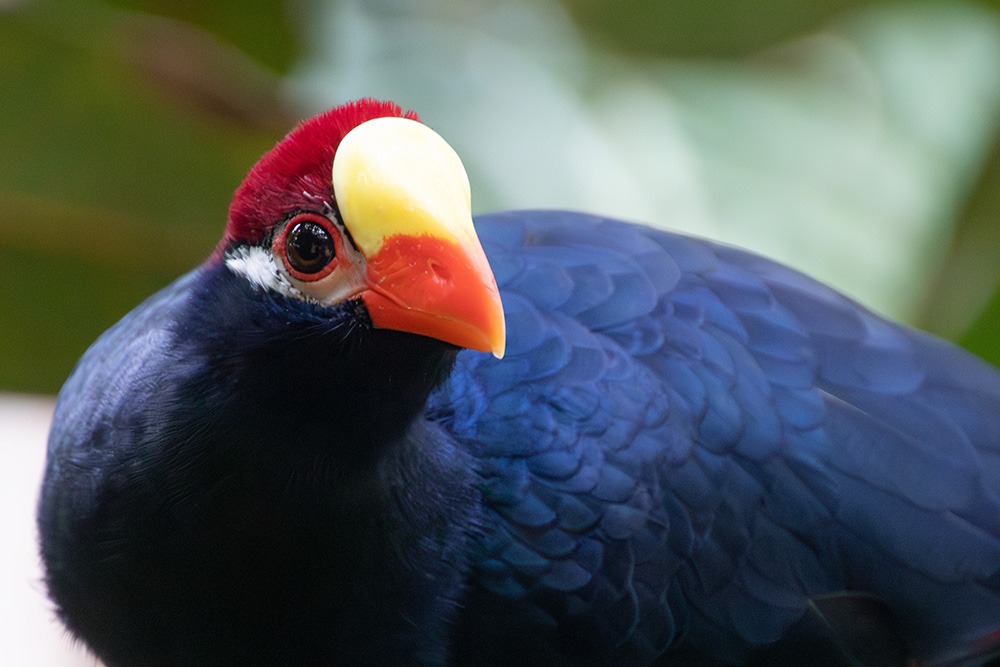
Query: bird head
{"type": "Point", "coordinates": [364, 205]}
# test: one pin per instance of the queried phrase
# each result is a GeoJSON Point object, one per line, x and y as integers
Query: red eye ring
{"type": "Point", "coordinates": [309, 246]}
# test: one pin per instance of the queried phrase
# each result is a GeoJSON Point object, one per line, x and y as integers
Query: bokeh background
{"type": "Point", "coordinates": [854, 139]}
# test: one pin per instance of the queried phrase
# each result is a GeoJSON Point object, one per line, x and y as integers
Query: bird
{"type": "Point", "coordinates": [372, 429]}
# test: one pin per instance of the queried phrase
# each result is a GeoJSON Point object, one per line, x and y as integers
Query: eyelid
{"type": "Point", "coordinates": [279, 249]}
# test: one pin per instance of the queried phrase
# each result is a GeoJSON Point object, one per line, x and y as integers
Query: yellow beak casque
{"type": "Point", "coordinates": [404, 197]}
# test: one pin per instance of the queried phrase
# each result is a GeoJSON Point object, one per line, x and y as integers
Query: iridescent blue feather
{"type": "Point", "coordinates": [688, 442]}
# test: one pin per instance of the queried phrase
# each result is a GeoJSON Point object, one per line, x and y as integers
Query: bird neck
{"type": "Point", "coordinates": [312, 376]}
{"type": "Point", "coordinates": [320, 479]}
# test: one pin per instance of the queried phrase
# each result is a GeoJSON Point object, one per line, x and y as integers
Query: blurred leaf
{"type": "Point", "coordinates": [114, 180]}
{"type": "Point", "coordinates": [698, 28]}
{"type": "Point", "coordinates": [50, 316]}
{"type": "Point", "coordinates": [192, 69]}
{"type": "Point", "coordinates": [965, 303]}
{"type": "Point", "coordinates": [983, 337]}
{"type": "Point", "coordinates": [846, 154]}
{"type": "Point", "coordinates": [259, 28]}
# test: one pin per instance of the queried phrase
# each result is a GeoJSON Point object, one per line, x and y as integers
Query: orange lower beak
{"type": "Point", "coordinates": [434, 287]}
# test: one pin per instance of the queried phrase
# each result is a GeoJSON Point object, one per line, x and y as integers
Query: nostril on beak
{"type": "Point", "coordinates": [439, 270]}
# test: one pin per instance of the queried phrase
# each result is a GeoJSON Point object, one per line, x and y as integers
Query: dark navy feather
{"type": "Point", "coordinates": [213, 498]}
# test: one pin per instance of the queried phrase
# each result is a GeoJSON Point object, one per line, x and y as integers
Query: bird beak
{"type": "Point", "coordinates": [404, 197]}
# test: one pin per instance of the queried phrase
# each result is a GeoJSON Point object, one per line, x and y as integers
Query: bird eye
{"type": "Point", "coordinates": [307, 246]}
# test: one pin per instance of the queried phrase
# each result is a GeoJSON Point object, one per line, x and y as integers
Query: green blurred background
{"type": "Point", "coordinates": [856, 139]}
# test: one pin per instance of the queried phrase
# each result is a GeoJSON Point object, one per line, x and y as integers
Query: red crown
{"type": "Point", "coordinates": [296, 173]}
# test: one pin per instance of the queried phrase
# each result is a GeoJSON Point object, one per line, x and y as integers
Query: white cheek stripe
{"type": "Point", "coordinates": [257, 265]}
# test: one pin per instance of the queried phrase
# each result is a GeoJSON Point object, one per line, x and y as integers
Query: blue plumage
{"type": "Point", "coordinates": [730, 437]}
{"type": "Point", "coordinates": [686, 451]}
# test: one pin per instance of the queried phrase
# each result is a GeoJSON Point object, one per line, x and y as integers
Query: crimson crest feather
{"type": "Point", "coordinates": [296, 173]}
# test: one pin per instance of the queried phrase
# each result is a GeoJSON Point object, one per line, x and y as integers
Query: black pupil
{"type": "Point", "coordinates": [309, 247]}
